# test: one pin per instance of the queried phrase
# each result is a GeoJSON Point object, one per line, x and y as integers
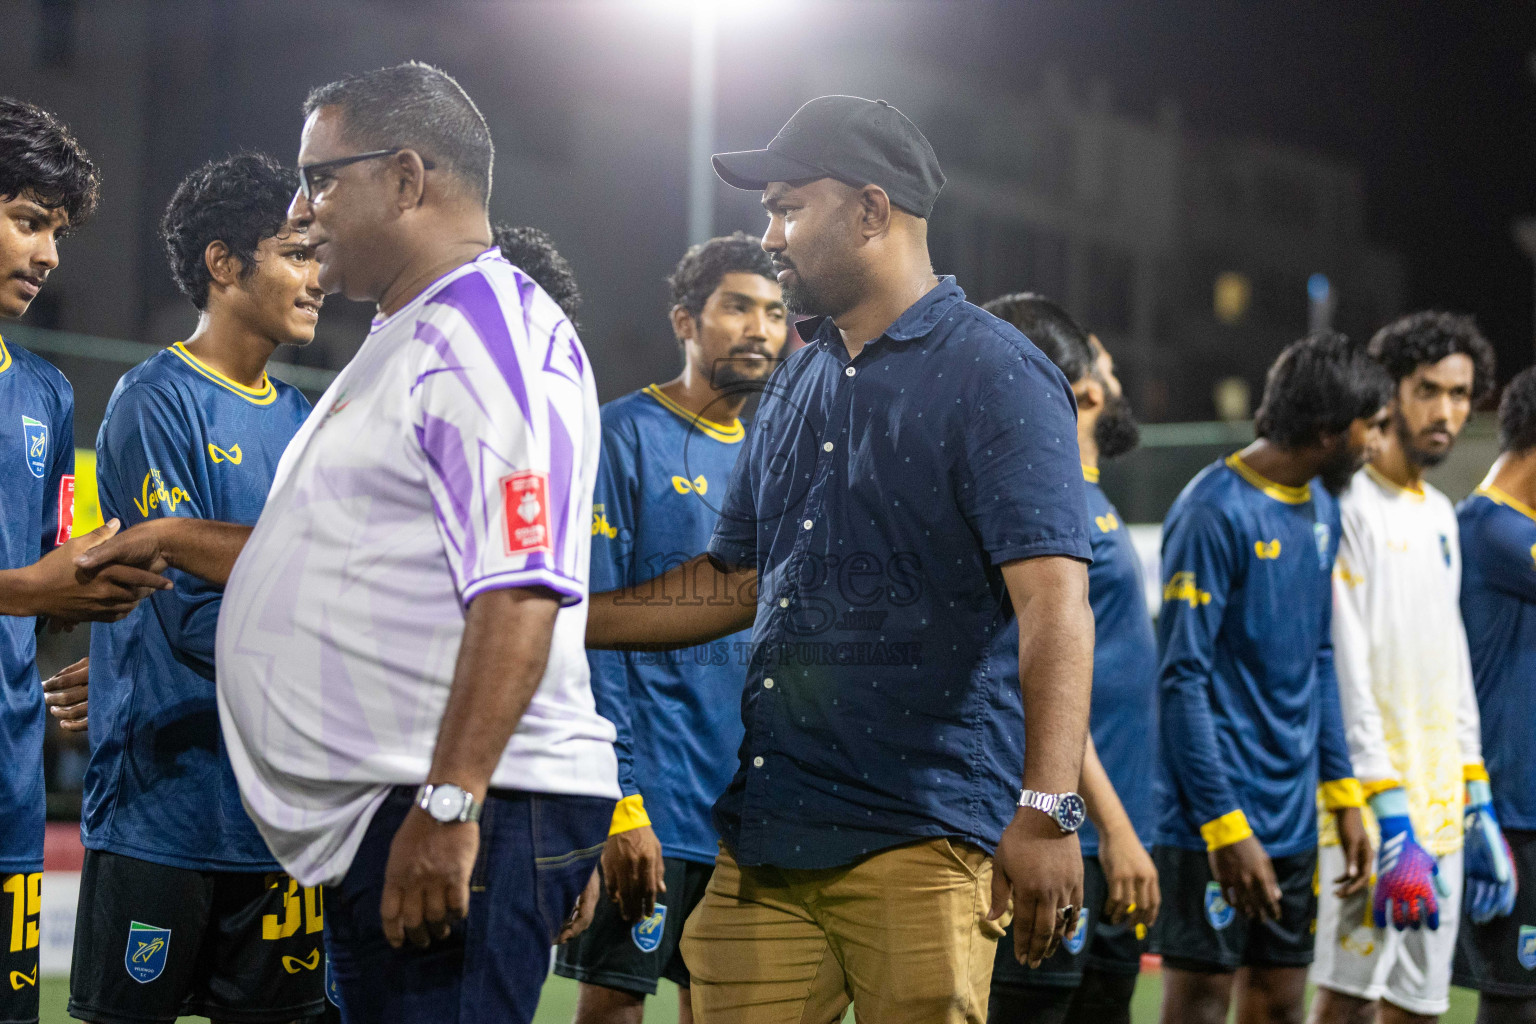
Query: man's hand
{"type": "Point", "coordinates": [1133, 890]}
{"type": "Point", "coordinates": [1041, 868]}
{"type": "Point", "coordinates": [1247, 878]}
{"type": "Point", "coordinates": [54, 587]}
{"type": "Point", "coordinates": [1356, 846]}
{"type": "Point", "coordinates": [585, 909]}
{"type": "Point", "coordinates": [142, 547]}
{"type": "Point", "coordinates": [426, 881]}
{"type": "Point", "coordinates": [66, 695]}
{"type": "Point", "coordinates": [633, 868]}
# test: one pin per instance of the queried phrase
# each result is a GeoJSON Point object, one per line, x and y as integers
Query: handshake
{"type": "Point", "coordinates": [99, 577]}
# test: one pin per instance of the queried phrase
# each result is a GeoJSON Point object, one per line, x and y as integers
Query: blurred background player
{"type": "Point", "coordinates": [1496, 952]}
{"type": "Point", "coordinates": [173, 864]}
{"type": "Point", "coordinates": [533, 252]}
{"type": "Point", "coordinates": [668, 451]}
{"type": "Point", "coordinates": [1092, 977]}
{"type": "Point", "coordinates": [1249, 705]}
{"type": "Point", "coordinates": [1405, 688]}
{"type": "Point", "coordinates": [48, 186]}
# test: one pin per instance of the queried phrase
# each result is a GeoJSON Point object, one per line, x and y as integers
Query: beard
{"type": "Point", "coordinates": [735, 373]}
{"type": "Point", "coordinates": [1116, 431]}
{"type": "Point", "coordinates": [1340, 469]}
{"type": "Point", "coordinates": [1423, 458]}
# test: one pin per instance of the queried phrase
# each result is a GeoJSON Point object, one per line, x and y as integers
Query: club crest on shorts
{"type": "Point", "coordinates": [1073, 943]}
{"type": "Point", "coordinates": [147, 948]}
{"type": "Point", "coordinates": [1217, 910]}
{"type": "Point", "coordinates": [1525, 947]}
{"type": "Point", "coordinates": [35, 435]}
{"type": "Point", "coordinates": [1323, 535]}
{"type": "Point", "coordinates": [647, 933]}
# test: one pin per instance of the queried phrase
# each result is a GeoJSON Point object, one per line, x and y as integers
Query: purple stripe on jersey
{"type": "Point", "coordinates": [562, 463]}
{"type": "Point", "coordinates": [346, 736]}
{"type": "Point", "coordinates": [444, 448]}
{"type": "Point", "coordinates": [526, 288]}
{"type": "Point", "coordinates": [564, 345]}
{"type": "Point", "coordinates": [473, 296]}
{"type": "Point", "coordinates": [439, 343]}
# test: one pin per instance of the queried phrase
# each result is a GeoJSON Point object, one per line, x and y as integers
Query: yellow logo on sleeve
{"type": "Point", "coordinates": [683, 485]}
{"type": "Point", "coordinates": [1181, 587]}
{"type": "Point", "coordinates": [218, 454]}
{"type": "Point", "coordinates": [157, 495]}
{"type": "Point", "coordinates": [600, 525]}
{"type": "Point", "coordinates": [1107, 523]}
{"type": "Point", "coordinates": [1269, 549]}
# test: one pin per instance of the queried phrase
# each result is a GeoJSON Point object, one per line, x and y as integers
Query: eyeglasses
{"type": "Point", "coordinates": [310, 175]}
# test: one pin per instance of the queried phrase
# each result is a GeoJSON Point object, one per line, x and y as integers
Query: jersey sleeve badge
{"type": "Point", "coordinates": [525, 496]}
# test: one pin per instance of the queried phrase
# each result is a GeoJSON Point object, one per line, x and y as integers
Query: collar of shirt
{"type": "Point", "coordinates": [919, 319]}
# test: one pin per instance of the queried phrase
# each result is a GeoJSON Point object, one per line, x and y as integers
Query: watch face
{"type": "Point", "coordinates": [446, 803]}
{"type": "Point", "coordinates": [1071, 812]}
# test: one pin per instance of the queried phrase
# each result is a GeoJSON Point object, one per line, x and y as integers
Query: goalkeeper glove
{"type": "Point", "coordinates": [1408, 884]}
{"type": "Point", "coordinates": [1491, 881]}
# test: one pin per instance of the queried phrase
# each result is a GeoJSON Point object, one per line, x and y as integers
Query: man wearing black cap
{"type": "Point", "coordinates": [911, 485]}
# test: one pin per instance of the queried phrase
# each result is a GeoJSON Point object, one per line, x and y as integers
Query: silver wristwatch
{"type": "Point", "coordinates": [447, 803]}
{"type": "Point", "coordinates": [1067, 810]}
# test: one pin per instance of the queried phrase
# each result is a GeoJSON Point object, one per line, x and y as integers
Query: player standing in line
{"type": "Point", "coordinates": [533, 252]}
{"type": "Point", "coordinates": [47, 187]}
{"type": "Point", "coordinates": [1405, 689]}
{"type": "Point", "coordinates": [1249, 705]}
{"type": "Point", "coordinates": [1092, 977]}
{"type": "Point", "coordinates": [174, 868]}
{"type": "Point", "coordinates": [1496, 951]}
{"type": "Point", "coordinates": [402, 683]}
{"type": "Point", "coordinates": [668, 451]}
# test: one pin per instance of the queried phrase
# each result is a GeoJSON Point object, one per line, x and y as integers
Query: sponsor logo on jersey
{"type": "Point", "coordinates": [147, 948]}
{"type": "Point", "coordinates": [647, 933]}
{"type": "Point", "coordinates": [698, 485]}
{"type": "Point", "coordinates": [1217, 910]}
{"type": "Point", "coordinates": [218, 454]}
{"type": "Point", "coordinates": [1322, 534]}
{"type": "Point", "coordinates": [1181, 587]}
{"type": "Point", "coordinates": [342, 401]}
{"type": "Point", "coordinates": [20, 981]}
{"type": "Point", "coordinates": [34, 435]}
{"type": "Point", "coordinates": [525, 496]}
{"type": "Point", "coordinates": [1445, 549]}
{"type": "Point", "coordinates": [1267, 549]}
{"type": "Point", "coordinates": [601, 527]}
{"type": "Point", "coordinates": [66, 508]}
{"type": "Point", "coordinates": [1525, 947]}
{"type": "Point", "coordinates": [1107, 523]}
{"type": "Point", "coordinates": [1073, 943]}
{"type": "Point", "coordinates": [154, 494]}
{"type": "Point", "coordinates": [295, 964]}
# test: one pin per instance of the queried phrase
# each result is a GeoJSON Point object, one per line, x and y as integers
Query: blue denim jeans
{"type": "Point", "coordinates": [536, 853]}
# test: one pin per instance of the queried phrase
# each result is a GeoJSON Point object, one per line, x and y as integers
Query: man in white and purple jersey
{"type": "Point", "coordinates": [403, 685]}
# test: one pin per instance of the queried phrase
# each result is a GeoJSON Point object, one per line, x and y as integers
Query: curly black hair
{"type": "Point", "coordinates": [1417, 339]}
{"type": "Point", "coordinates": [699, 272]}
{"type": "Point", "coordinates": [1317, 387]}
{"type": "Point", "coordinates": [1517, 413]}
{"type": "Point", "coordinates": [1051, 328]}
{"type": "Point", "coordinates": [533, 252]}
{"type": "Point", "coordinates": [41, 159]}
{"type": "Point", "coordinates": [240, 201]}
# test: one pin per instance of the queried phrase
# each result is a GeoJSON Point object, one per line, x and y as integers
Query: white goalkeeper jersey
{"type": "Point", "coordinates": [455, 454]}
{"type": "Point", "coordinates": [1405, 678]}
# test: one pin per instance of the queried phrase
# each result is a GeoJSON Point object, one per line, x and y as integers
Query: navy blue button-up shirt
{"type": "Point", "coordinates": [878, 498]}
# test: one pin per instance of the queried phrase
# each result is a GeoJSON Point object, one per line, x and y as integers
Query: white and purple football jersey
{"type": "Point", "coordinates": [455, 454]}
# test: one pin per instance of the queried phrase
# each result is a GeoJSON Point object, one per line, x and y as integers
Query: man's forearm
{"type": "Point", "coordinates": [202, 547]}
{"type": "Point", "coordinates": [1055, 669]}
{"type": "Point", "coordinates": [1104, 807]}
{"type": "Point", "coordinates": [501, 661]}
{"type": "Point", "coordinates": [692, 604]}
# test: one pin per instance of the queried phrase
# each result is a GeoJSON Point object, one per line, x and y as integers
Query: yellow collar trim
{"type": "Point", "coordinates": [725, 433]}
{"type": "Point", "coordinates": [5, 357]}
{"type": "Point", "coordinates": [1091, 474]}
{"type": "Point", "coordinates": [1416, 493]}
{"type": "Point", "coordinates": [1280, 492]}
{"type": "Point", "coordinates": [1502, 497]}
{"type": "Point", "coordinates": [264, 395]}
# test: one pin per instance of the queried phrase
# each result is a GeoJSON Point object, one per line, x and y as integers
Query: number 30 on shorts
{"type": "Point", "coordinates": [308, 910]}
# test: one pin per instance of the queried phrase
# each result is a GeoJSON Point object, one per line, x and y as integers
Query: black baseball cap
{"type": "Point", "coordinates": [857, 141]}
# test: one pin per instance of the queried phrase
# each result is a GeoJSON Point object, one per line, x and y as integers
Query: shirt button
{"type": "Point", "coordinates": [757, 762]}
{"type": "Point", "coordinates": [767, 684]}
{"type": "Point", "coordinates": [827, 447]}
{"type": "Point", "coordinates": [850, 371]}
{"type": "Point", "coordinates": [807, 524]}
{"type": "Point", "coordinates": [783, 602]}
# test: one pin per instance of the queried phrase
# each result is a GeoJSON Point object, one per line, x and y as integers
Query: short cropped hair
{"type": "Point", "coordinates": [1051, 328]}
{"type": "Point", "coordinates": [1317, 387]}
{"type": "Point", "coordinates": [41, 159]}
{"type": "Point", "coordinates": [240, 201]}
{"type": "Point", "coordinates": [703, 266]}
{"type": "Point", "coordinates": [1517, 413]}
{"type": "Point", "coordinates": [1418, 339]}
{"type": "Point", "coordinates": [534, 253]}
{"type": "Point", "coordinates": [414, 106]}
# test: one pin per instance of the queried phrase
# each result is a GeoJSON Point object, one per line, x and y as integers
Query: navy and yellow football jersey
{"type": "Point", "coordinates": [37, 464]}
{"type": "Point", "coordinates": [677, 713]}
{"type": "Point", "coordinates": [1498, 606]}
{"type": "Point", "coordinates": [178, 439]}
{"type": "Point", "coordinates": [1249, 703]}
{"type": "Point", "coordinates": [1123, 716]}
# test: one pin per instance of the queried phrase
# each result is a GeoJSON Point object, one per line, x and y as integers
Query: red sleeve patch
{"type": "Point", "coordinates": [525, 496]}
{"type": "Point", "coordinates": [66, 508]}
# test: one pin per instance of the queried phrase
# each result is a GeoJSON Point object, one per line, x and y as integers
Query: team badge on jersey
{"type": "Point", "coordinates": [1445, 549]}
{"type": "Point", "coordinates": [35, 434]}
{"type": "Point", "coordinates": [1217, 910]}
{"type": "Point", "coordinates": [147, 949]}
{"type": "Point", "coordinates": [647, 933]}
{"type": "Point", "coordinates": [1321, 532]}
{"type": "Point", "coordinates": [1073, 943]}
{"type": "Point", "coordinates": [1525, 947]}
{"type": "Point", "coordinates": [526, 497]}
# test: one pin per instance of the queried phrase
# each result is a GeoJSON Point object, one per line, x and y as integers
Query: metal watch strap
{"type": "Point", "coordinates": [470, 812]}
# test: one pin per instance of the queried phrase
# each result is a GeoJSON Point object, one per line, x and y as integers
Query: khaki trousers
{"type": "Point", "coordinates": [902, 935]}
